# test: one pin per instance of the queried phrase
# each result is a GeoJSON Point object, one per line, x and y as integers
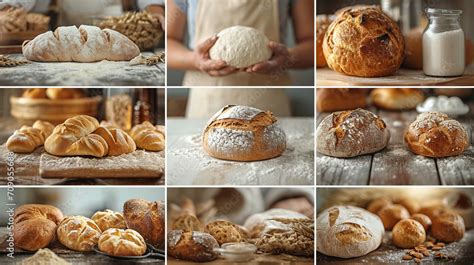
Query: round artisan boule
{"type": "Point", "coordinates": [392, 214]}
{"type": "Point", "coordinates": [242, 133]}
{"type": "Point", "coordinates": [448, 227]}
{"type": "Point", "coordinates": [408, 233]}
{"type": "Point", "coordinates": [122, 242]}
{"type": "Point", "coordinates": [322, 24]}
{"type": "Point", "coordinates": [78, 233]}
{"type": "Point", "coordinates": [348, 231]}
{"type": "Point", "coordinates": [241, 46]}
{"type": "Point", "coordinates": [224, 231]}
{"type": "Point", "coordinates": [192, 245]}
{"type": "Point", "coordinates": [364, 42]}
{"type": "Point", "coordinates": [109, 219]}
{"type": "Point", "coordinates": [424, 220]}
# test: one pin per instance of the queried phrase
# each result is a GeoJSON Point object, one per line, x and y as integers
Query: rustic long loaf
{"type": "Point", "coordinates": [83, 44]}
{"type": "Point", "coordinates": [28, 138]}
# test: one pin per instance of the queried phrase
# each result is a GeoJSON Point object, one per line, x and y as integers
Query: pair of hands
{"type": "Point", "coordinates": [203, 62]}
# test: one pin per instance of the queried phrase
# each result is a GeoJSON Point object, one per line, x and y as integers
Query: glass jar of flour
{"type": "Point", "coordinates": [443, 43]}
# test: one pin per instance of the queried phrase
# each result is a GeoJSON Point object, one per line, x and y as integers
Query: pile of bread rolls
{"type": "Point", "coordinates": [272, 232]}
{"type": "Point", "coordinates": [118, 234]}
{"type": "Point", "coordinates": [14, 20]}
{"type": "Point", "coordinates": [83, 136]}
{"type": "Point", "coordinates": [54, 93]}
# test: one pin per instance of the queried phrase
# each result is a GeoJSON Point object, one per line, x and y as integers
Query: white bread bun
{"type": "Point", "coordinates": [242, 133]}
{"type": "Point", "coordinates": [348, 231]}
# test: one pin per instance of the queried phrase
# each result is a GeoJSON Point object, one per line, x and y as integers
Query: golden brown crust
{"type": "Point", "coordinates": [408, 233]}
{"type": "Point", "coordinates": [117, 140]}
{"type": "Point", "coordinates": [424, 220]}
{"type": "Point", "coordinates": [28, 138]}
{"type": "Point", "coordinates": [35, 93]}
{"type": "Point", "coordinates": [64, 93]}
{"type": "Point", "coordinates": [336, 99]}
{"type": "Point", "coordinates": [35, 225]}
{"type": "Point", "coordinates": [78, 233]}
{"type": "Point", "coordinates": [448, 227]}
{"type": "Point", "coordinates": [410, 204]}
{"type": "Point", "coordinates": [434, 134]}
{"type": "Point", "coordinates": [392, 214]}
{"type": "Point", "coordinates": [147, 218]}
{"type": "Point", "coordinates": [377, 204]}
{"type": "Point", "coordinates": [397, 98]}
{"type": "Point", "coordinates": [364, 42]}
{"type": "Point", "coordinates": [109, 219]}
{"type": "Point", "coordinates": [148, 137]}
{"type": "Point", "coordinates": [121, 242]}
{"type": "Point", "coordinates": [322, 24]}
{"type": "Point", "coordinates": [192, 246]}
{"type": "Point", "coordinates": [224, 231]}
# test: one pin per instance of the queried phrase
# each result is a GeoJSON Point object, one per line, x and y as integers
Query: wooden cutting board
{"type": "Point", "coordinates": [403, 77]}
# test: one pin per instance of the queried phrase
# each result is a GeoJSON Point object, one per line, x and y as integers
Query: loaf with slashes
{"type": "Point", "coordinates": [242, 133]}
{"type": "Point", "coordinates": [28, 138]}
{"type": "Point", "coordinates": [83, 44]}
{"type": "Point", "coordinates": [149, 137]}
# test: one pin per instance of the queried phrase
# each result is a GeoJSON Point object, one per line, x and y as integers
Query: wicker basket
{"type": "Point", "coordinates": [28, 110]}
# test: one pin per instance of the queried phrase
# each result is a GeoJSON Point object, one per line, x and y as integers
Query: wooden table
{"type": "Point", "coordinates": [396, 165]}
{"type": "Point", "coordinates": [387, 253]}
{"type": "Point", "coordinates": [188, 164]}
{"type": "Point", "coordinates": [71, 256]}
{"type": "Point", "coordinates": [403, 77]}
{"type": "Point", "coordinates": [259, 259]}
{"type": "Point", "coordinates": [104, 73]}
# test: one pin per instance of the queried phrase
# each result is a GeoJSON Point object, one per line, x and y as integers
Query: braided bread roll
{"type": "Point", "coordinates": [148, 137]}
{"type": "Point", "coordinates": [28, 138]}
{"type": "Point", "coordinates": [434, 134]}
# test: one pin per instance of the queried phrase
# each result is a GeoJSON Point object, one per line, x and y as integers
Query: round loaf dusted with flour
{"type": "Point", "coordinates": [241, 47]}
{"type": "Point", "coordinates": [242, 133]}
{"type": "Point", "coordinates": [347, 232]}
{"type": "Point", "coordinates": [351, 133]}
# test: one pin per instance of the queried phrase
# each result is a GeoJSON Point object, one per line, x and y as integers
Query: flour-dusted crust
{"type": "Point", "coordinates": [122, 242]}
{"type": "Point", "coordinates": [83, 44]}
{"type": "Point", "coordinates": [241, 47]}
{"type": "Point", "coordinates": [192, 245]}
{"type": "Point", "coordinates": [242, 133]}
{"type": "Point", "coordinates": [78, 233]}
{"type": "Point", "coordinates": [347, 232]}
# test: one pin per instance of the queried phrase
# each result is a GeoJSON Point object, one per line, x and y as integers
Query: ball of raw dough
{"type": "Point", "coordinates": [241, 47]}
{"type": "Point", "coordinates": [408, 233]}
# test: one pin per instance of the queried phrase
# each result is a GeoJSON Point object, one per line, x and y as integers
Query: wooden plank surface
{"type": "Point", "coordinates": [258, 259]}
{"type": "Point", "coordinates": [104, 73]}
{"type": "Point", "coordinates": [387, 253]}
{"type": "Point", "coordinates": [403, 77]}
{"type": "Point", "coordinates": [188, 164]}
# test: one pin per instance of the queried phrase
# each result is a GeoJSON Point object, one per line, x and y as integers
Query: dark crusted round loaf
{"type": "Point", "coordinates": [192, 245]}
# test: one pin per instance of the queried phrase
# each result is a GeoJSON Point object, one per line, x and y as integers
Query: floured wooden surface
{"type": "Point", "coordinates": [258, 259]}
{"type": "Point", "coordinates": [403, 77]}
{"type": "Point", "coordinates": [25, 165]}
{"type": "Point", "coordinates": [136, 164]}
{"type": "Point", "coordinates": [188, 164]}
{"type": "Point", "coordinates": [103, 73]}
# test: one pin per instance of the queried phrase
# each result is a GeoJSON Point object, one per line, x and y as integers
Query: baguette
{"type": "Point", "coordinates": [28, 138]}
{"type": "Point", "coordinates": [83, 44]}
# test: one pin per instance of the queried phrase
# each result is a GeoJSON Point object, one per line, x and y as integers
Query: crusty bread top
{"type": "Point", "coordinates": [240, 117]}
{"type": "Point", "coordinates": [36, 211]}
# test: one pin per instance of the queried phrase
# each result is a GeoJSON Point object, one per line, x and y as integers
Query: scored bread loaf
{"type": "Point", "coordinates": [78, 233]}
{"type": "Point", "coordinates": [109, 219]}
{"type": "Point", "coordinates": [83, 44]}
{"type": "Point", "coordinates": [148, 137]}
{"type": "Point", "coordinates": [224, 231]}
{"type": "Point", "coordinates": [322, 24]}
{"type": "Point", "coordinates": [364, 42]}
{"type": "Point", "coordinates": [122, 242]}
{"type": "Point", "coordinates": [242, 133]}
{"type": "Point", "coordinates": [434, 134]}
{"type": "Point", "coordinates": [28, 138]}
{"type": "Point", "coordinates": [192, 245]}
{"type": "Point", "coordinates": [336, 99]}
{"type": "Point", "coordinates": [35, 225]}
{"type": "Point", "coordinates": [397, 98]}
{"type": "Point", "coordinates": [347, 232]}
{"type": "Point", "coordinates": [117, 140]}
{"type": "Point", "coordinates": [148, 219]}
{"type": "Point", "coordinates": [351, 133]}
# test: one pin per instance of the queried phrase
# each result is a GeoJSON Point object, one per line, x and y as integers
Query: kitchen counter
{"type": "Point", "coordinates": [103, 73]}
{"type": "Point", "coordinates": [188, 164]}
{"type": "Point", "coordinates": [396, 165]}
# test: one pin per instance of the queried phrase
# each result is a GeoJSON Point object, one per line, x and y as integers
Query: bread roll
{"type": "Point", "coordinates": [35, 93]}
{"type": "Point", "coordinates": [120, 242]}
{"type": "Point", "coordinates": [148, 219]}
{"type": "Point", "coordinates": [28, 138]}
{"type": "Point", "coordinates": [397, 98]}
{"type": "Point", "coordinates": [35, 225]}
{"type": "Point", "coordinates": [83, 44]}
{"type": "Point", "coordinates": [118, 141]}
{"type": "Point", "coordinates": [242, 133]}
{"type": "Point", "coordinates": [392, 214]}
{"type": "Point", "coordinates": [433, 211]}
{"type": "Point", "coordinates": [408, 233]}
{"type": "Point", "coordinates": [448, 227]}
{"type": "Point", "coordinates": [434, 134]}
{"type": "Point", "coordinates": [347, 232]}
{"type": "Point", "coordinates": [224, 231]}
{"type": "Point", "coordinates": [364, 42]}
{"type": "Point", "coordinates": [322, 24]}
{"type": "Point", "coordinates": [109, 219]}
{"type": "Point", "coordinates": [192, 246]}
{"type": "Point", "coordinates": [336, 99]}
{"type": "Point", "coordinates": [148, 137]}
{"type": "Point", "coordinates": [377, 204]}
{"type": "Point", "coordinates": [351, 133]}
{"type": "Point", "coordinates": [410, 204]}
{"type": "Point", "coordinates": [424, 220]}
{"type": "Point", "coordinates": [64, 93]}
{"type": "Point", "coordinates": [78, 233]}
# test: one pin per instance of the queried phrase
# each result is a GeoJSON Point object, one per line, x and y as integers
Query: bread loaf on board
{"type": "Point", "coordinates": [28, 138]}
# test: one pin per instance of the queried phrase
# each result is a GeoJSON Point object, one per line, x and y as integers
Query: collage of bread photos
{"type": "Point", "coordinates": [257, 132]}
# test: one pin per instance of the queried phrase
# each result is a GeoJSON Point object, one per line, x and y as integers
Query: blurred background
{"type": "Point", "coordinates": [80, 200]}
